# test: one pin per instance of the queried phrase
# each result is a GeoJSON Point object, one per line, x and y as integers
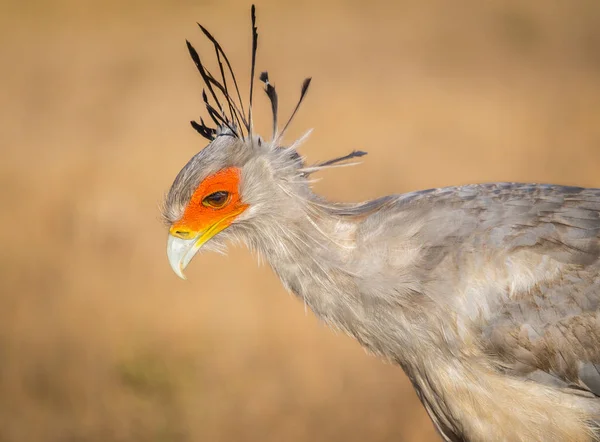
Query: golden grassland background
{"type": "Point", "coordinates": [99, 341]}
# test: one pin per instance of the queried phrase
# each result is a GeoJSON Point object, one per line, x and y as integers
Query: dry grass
{"type": "Point", "coordinates": [98, 339]}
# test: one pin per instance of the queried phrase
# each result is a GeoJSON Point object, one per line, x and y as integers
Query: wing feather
{"type": "Point", "coordinates": [546, 330]}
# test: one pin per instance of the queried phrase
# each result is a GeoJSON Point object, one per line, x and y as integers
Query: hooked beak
{"type": "Point", "coordinates": [181, 251]}
{"type": "Point", "coordinates": [183, 244]}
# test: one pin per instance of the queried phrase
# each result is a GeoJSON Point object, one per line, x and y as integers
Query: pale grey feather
{"type": "Point", "coordinates": [486, 295]}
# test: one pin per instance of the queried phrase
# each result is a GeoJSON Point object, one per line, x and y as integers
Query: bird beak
{"type": "Point", "coordinates": [181, 251]}
{"type": "Point", "coordinates": [184, 243]}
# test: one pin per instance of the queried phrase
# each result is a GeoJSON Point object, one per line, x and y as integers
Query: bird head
{"type": "Point", "coordinates": [239, 185]}
{"type": "Point", "coordinates": [227, 191]}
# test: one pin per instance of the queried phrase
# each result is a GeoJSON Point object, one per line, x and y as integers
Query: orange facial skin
{"type": "Point", "coordinates": [199, 217]}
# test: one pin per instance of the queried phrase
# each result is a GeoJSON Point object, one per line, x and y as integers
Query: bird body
{"type": "Point", "coordinates": [486, 295]}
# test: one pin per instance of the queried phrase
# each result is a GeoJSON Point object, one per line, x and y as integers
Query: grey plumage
{"type": "Point", "coordinates": [486, 295]}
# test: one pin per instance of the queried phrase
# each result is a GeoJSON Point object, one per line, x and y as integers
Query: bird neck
{"type": "Point", "coordinates": [314, 248]}
{"type": "Point", "coordinates": [311, 249]}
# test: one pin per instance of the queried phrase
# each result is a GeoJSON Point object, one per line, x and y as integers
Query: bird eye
{"type": "Point", "coordinates": [216, 200]}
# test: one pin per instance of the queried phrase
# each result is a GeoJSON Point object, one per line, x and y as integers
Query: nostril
{"type": "Point", "coordinates": [183, 234]}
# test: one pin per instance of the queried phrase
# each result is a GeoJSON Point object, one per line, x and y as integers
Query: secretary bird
{"type": "Point", "coordinates": [486, 295]}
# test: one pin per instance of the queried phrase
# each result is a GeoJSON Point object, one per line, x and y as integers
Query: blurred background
{"type": "Point", "coordinates": [100, 341]}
